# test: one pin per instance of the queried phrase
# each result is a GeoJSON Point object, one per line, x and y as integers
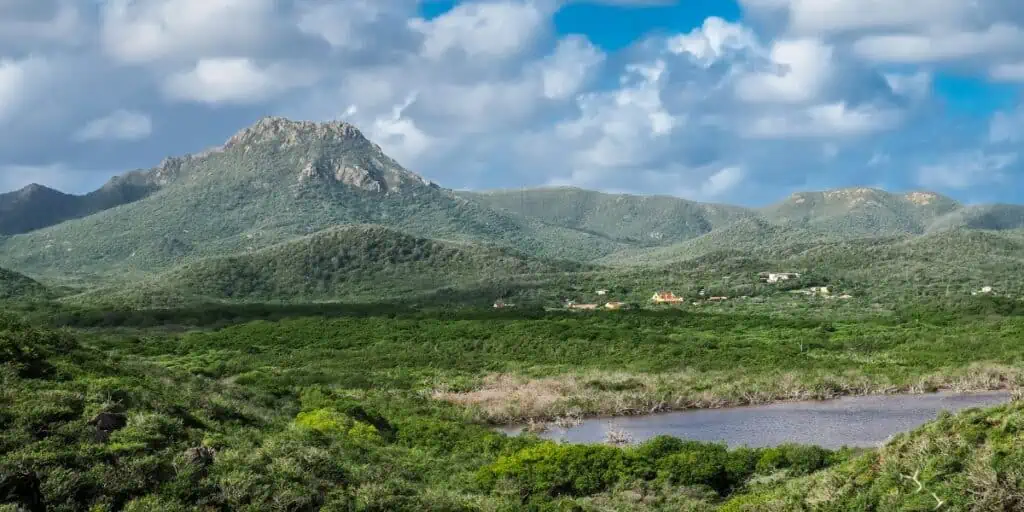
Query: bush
{"type": "Point", "coordinates": [555, 470]}
{"type": "Point", "coordinates": [698, 465]}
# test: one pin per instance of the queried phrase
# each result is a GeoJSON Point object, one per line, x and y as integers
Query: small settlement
{"type": "Point", "coordinates": [668, 298]}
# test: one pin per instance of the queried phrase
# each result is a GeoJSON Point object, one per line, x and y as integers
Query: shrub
{"type": "Point", "coordinates": [697, 465]}
{"type": "Point", "coordinates": [554, 470]}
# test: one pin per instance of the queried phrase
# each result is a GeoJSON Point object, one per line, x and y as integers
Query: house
{"type": "Point", "coordinates": [602, 292]}
{"type": "Point", "coordinates": [717, 299]}
{"type": "Point", "coordinates": [775, 277]}
{"type": "Point", "coordinates": [820, 290]}
{"type": "Point", "coordinates": [666, 298]}
{"type": "Point", "coordinates": [502, 304]}
{"type": "Point", "coordinates": [615, 305]}
{"type": "Point", "coordinates": [985, 290]}
{"type": "Point", "coordinates": [573, 305]}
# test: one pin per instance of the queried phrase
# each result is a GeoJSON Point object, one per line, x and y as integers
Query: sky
{"type": "Point", "coordinates": [737, 101]}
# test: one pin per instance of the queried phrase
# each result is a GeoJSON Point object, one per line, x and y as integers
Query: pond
{"type": "Point", "coordinates": [864, 421]}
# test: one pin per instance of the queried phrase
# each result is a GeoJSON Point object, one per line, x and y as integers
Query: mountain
{"type": "Point", "coordinates": [268, 184]}
{"type": "Point", "coordinates": [861, 211]}
{"type": "Point", "coordinates": [356, 263]}
{"type": "Point", "coordinates": [993, 217]}
{"type": "Point", "coordinates": [17, 286]}
{"type": "Point", "coordinates": [751, 235]}
{"type": "Point", "coordinates": [644, 220]}
{"type": "Point", "coordinates": [36, 207]}
{"type": "Point", "coordinates": [278, 180]}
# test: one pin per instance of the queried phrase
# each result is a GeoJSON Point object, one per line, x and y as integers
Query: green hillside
{"type": "Point", "coordinates": [995, 217]}
{"type": "Point", "coordinates": [17, 286]}
{"type": "Point", "coordinates": [643, 220]}
{"type": "Point", "coordinates": [269, 184]}
{"type": "Point", "coordinates": [860, 211]}
{"type": "Point", "coordinates": [362, 263]}
{"type": "Point", "coordinates": [965, 462]}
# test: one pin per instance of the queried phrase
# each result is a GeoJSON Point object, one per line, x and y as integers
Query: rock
{"type": "Point", "coordinates": [23, 489]}
{"type": "Point", "coordinates": [201, 456]}
{"type": "Point", "coordinates": [109, 421]}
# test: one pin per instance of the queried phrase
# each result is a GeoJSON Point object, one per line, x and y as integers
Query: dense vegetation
{"type": "Point", "coordinates": [280, 180]}
{"type": "Point", "coordinates": [641, 220]}
{"type": "Point", "coordinates": [17, 286]}
{"type": "Point", "coordinates": [352, 263]}
{"type": "Point", "coordinates": [293, 322]}
{"type": "Point", "coordinates": [264, 188]}
{"type": "Point", "coordinates": [375, 410]}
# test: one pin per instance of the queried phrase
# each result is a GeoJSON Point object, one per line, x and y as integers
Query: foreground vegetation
{"type": "Point", "coordinates": [360, 408]}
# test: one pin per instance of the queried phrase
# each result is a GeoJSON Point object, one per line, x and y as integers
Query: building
{"type": "Point", "coordinates": [602, 292]}
{"type": "Point", "coordinates": [502, 304]}
{"type": "Point", "coordinates": [717, 299]}
{"type": "Point", "coordinates": [775, 277]}
{"type": "Point", "coordinates": [573, 305]}
{"type": "Point", "coordinates": [666, 298]}
{"type": "Point", "coordinates": [615, 305]}
{"type": "Point", "coordinates": [985, 290]}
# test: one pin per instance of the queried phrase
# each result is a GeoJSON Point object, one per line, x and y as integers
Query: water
{"type": "Point", "coordinates": [865, 421]}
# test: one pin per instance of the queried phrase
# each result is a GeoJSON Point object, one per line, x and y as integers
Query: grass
{"type": "Point", "coordinates": [970, 461]}
{"type": "Point", "coordinates": [382, 409]}
{"type": "Point", "coordinates": [511, 368]}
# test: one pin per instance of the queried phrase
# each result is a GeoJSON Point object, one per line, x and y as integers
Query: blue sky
{"type": "Point", "coordinates": [718, 100]}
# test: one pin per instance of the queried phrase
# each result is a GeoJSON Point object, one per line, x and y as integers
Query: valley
{"type": "Point", "coordinates": [294, 321]}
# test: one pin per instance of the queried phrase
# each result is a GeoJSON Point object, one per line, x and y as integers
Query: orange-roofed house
{"type": "Point", "coordinates": [666, 298]}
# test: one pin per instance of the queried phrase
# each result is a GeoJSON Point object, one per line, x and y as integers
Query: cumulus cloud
{"type": "Point", "coordinates": [967, 169]}
{"type": "Point", "coordinates": [496, 29]}
{"type": "Point", "coordinates": [823, 121]}
{"type": "Point", "coordinates": [118, 125]}
{"type": "Point", "coordinates": [489, 94]}
{"type": "Point", "coordinates": [234, 81]}
{"type": "Point", "coordinates": [140, 31]}
{"type": "Point", "coordinates": [803, 69]}
{"type": "Point", "coordinates": [941, 45]}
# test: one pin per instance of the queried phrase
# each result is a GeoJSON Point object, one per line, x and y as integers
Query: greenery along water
{"type": "Point", "coordinates": [376, 412]}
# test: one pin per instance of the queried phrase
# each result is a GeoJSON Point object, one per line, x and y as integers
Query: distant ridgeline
{"type": "Point", "coordinates": [288, 210]}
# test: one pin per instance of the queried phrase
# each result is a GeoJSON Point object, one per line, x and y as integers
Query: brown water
{"type": "Point", "coordinates": [865, 421]}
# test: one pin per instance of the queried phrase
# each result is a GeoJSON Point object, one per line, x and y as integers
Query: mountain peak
{"type": "Point", "coordinates": [925, 198]}
{"type": "Point", "coordinates": [34, 190]}
{"type": "Point", "coordinates": [290, 133]}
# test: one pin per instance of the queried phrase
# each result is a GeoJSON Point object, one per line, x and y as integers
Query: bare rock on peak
{"type": "Point", "coordinates": [293, 133]}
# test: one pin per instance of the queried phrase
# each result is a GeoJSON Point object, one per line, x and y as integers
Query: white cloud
{"type": "Point", "coordinates": [118, 125]}
{"type": "Point", "coordinates": [817, 16]}
{"type": "Point", "coordinates": [916, 86]}
{"type": "Point", "coordinates": [823, 121]}
{"type": "Point", "coordinates": [714, 40]}
{"type": "Point", "coordinates": [567, 70]}
{"type": "Point", "coordinates": [140, 31]}
{"type": "Point", "coordinates": [25, 23]}
{"type": "Point", "coordinates": [1008, 72]}
{"type": "Point", "coordinates": [234, 81]}
{"type": "Point", "coordinates": [722, 181]}
{"type": "Point", "coordinates": [489, 94]}
{"type": "Point", "coordinates": [621, 128]}
{"type": "Point", "coordinates": [339, 23]}
{"type": "Point", "coordinates": [21, 84]}
{"type": "Point", "coordinates": [967, 169]}
{"type": "Point", "coordinates": [940, 45]}
{"type": "Point", "coordinates": [803, 69]}
{"type": "Point", "coordinates": [495, 29]}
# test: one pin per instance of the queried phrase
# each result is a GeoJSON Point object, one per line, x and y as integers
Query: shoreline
{"type": "Point", "coordinates": [505, 400]}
